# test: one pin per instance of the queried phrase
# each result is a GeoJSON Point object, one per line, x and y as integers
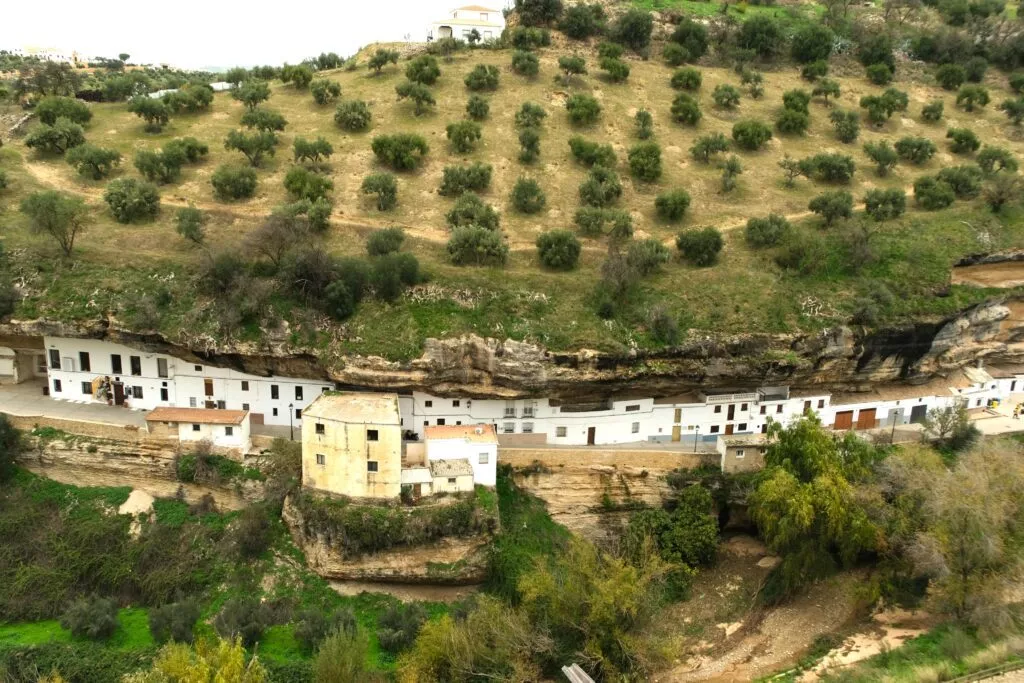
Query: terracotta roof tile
{"type": "Point", "coordinates": [197, 415]}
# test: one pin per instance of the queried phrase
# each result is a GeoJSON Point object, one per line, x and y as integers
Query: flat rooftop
{"type": "Point", "coordinates": [478, 433]}
{"type": "Point", "coordinates": [355, 407]}
{"type": "Point", "coordinates": [209, 416]}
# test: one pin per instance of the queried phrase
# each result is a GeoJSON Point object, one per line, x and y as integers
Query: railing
{"type": "Point", "coordinates": [748, 397]}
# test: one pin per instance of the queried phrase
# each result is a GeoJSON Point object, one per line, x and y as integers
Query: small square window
{"type": "Point", "coordinates": [426, 423]}
{"type": "Point", "coordinates": [222, 405]}
{"type": "Point", "coordinates": [274, 412]}
{"type": "Point", "coordinates": [484, 458]}
{"type": "Point", "coordinates": [440, 422]}
{"type": "Point", "coordinates": [136, 392]}
{"type": "Point", "coordinates": [739, 453]}
{"type": "Point", "coordinates": [371, 435]}
{"type": "Point", "coordinates": [371, 465]}
{"type": "Point", "coordinates": [718, 409]}
{"type": "Point", "coordinates": [764, 409]}
{"type": "Point", "coordinates": [636, 427]}
{"type": "Point", "coordinates": [743, 406]}
{"type": "Point", "coordinates": [560, 431]}
{"type": "Point", "coordinates": [196, 428]}
{"type": "Point", "coordinates": [229, 431]}
{"type": "Point", "coordinates": [742, 426]}
{"type": "Point", "coordinates": [451, 481]}
{"type": "Point", "coordinates": [455, 403]}
{"type": "Point", "coordinates": [321, 459]}
{"type": "Point", "coordinates": [778, 408]}
{"type": "Point", "coordinates": [191, 401]}
{"type": "Point", "coordinates": [633, 408]}
{"type": "Point", "coordinates": [199, 368]}
{"type": "Point", "coordinates": [298, 413]}
{"type": "Point", "coordinates": [458, 422]}
{"type": "Point", "coordinates": [319, 429]}
{"type": "Point", "coordinates": [821, 403]}
{"type": "Point", "coordinates": [714, 429]}
{"type": "Point", "coordinates": [56, 386]}
{"type": "Point", "coordinates": [508, 428]}
{"type": "Point", "coordinates": [527, 428]}
{"type": "Point", "coordinates": [87, 388]}
{"type": "Point", "coordinates": [298, 393]}
{"type": "Point", "coordinates": [245, 385]}
{"type": "Point", "coordinates": [245, 406]}
{"type": "Point", "coordinates": [428, 404]}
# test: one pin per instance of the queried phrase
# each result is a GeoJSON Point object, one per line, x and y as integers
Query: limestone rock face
{"type": "Point", "coordinates": [841, 358]}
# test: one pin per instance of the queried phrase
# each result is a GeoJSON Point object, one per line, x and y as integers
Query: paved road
{"type": "Point", "coordinates": [28, 400]}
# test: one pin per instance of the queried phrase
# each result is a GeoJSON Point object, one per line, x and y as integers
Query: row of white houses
{"type": "Point", "coordinates": [99, 371]}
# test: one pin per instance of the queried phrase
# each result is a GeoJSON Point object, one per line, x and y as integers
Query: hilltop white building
{"type": "Point", "coordinates": [462, 21]}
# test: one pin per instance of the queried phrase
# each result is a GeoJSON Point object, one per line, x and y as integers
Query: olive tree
{"type": "Point", "coordinates": [59, 215]}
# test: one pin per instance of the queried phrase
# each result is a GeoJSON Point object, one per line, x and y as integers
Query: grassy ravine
{"type": "Point", "coordinates": [745, 292]}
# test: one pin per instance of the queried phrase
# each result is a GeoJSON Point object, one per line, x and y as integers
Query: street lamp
{"type": "Point", "coordinates": [291, 425]}
{"type": "Point", "coordinates": [696, 437]}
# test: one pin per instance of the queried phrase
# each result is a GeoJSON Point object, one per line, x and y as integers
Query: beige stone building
{"type": "Point", "coordinates": [352, 445]}
{"type": "Point", "coordinates": [743, 453]}
{"type": "Point", "coordinates": [451, 476]}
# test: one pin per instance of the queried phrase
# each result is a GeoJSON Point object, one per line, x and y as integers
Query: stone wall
{"type": "Point", "coordinates": [102, 430]}
{"type": "Point", "coordinates": [639, 459]}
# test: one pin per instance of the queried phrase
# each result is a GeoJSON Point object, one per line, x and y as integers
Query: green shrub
{"type": "Point", "coordinates": [965, 181]}
{"type": "Point", "coordinates": [470, 210]}
{"type": "Point", "coordinates": [53, 107]}
{"type": "Point", "coordinates": [423, 70]}
{"type": "Point", "coordinates": [132, 200]}
{"type": "Point", "coordinates": [700, 247]}
{"type": "Point", "coordinates": [731, 169]}
{"type": "Point", "coordinates": [645, 161]}
{"type": "Point", "coordinates": [399, 624]}
{"type": "Point", "coordinates": [687, 79]}
{"type": "Point", "coordinates": [1016, 81]}
{"type": "Point", "coordinates": [401, 151]}
{"type": "Point", "coordinates": [420, 95]}
{"type": "Point", "coordinates": [726, 96]}
{"type": "Point", "coordinates": [353, 115]}
{"type": "Point", "coordinates": [463, 135]}
{"type": "Point", "coordinates": [583, 21]}
{"type": "Point", "coordinates": [473, 245]}
{"type": "Point", "coordinates": [527, 197]}
{"type": "Point", "coordinates": [879, 74]}
{"type": "Point", "coordinates": [971, 96]}
{"type": "Point", "coordinates": [750, 135]}
{"type": "Point", "coordinates": [1014, 110]}
{"type": "Point", "coordinates": [253, 145]}
{"type": "Point", "coordinates": [93, 162]}
{"type": "Point", "coordinates": [633, 29]}
{"type": "Point", "coordinates": [762, 35]}
{"type": "Point", "coordinates": [883, 154]}
{"type": "Point", "coordinates": [672, 205]}
{"type": "Point", "coordinates": [155, 113]}
{"type": "Point", "coordinates": [675, 54]}
{"type": "Point", "coordinates": [530, 115]}
{"type": "Point", "coordinates": [558, 249]}
{"type": "Point", "coordinates": [312, 151]}
{"type": "Point", "coordinates": [385, 187]}
{"type": "Point", "coordinates": [832, 206]}
{"type": "Point", "coordinates": [482, 77]}
{"type": "Point", "coordinates": [529, 145]}
{"type": "Point", "coordinates": [646, 256]}
{"type": "Point", "coordinates": [303, 183]}
{"type": "Point", "coordinates": [846, 124]}
{"type": "Point", "coordinates": [55, 139]}
{"type": "Point", "coordinates": [932, 194]}
{"type": "Point", "coordinates": [242, 617]}
{"type": "Point", "coordinates": [583, 110]}
{"type": "Point", "coordinates": [525, 38]}
{"type": "Point", "coordinates": [592, 221]}
{"type": "Point", "coordinates": [617, 70]}
{"type": "Point", "coordinates": [571, 65]}
{"type": "Point", "coordinates": [994, 159]}
{"type": "Point", "coordinates": [692, 36]}
{"type": "Point", "coordinates": [94, 618]}
{"type": "Point", "coordinates": [828, 167]}
{"type": "Point", "coordinates": [814, 70]}
{"type": "Point", "coordinates": [325, 91]}
{"type": "Point", "coordinates": [458, 179]}
{"type": "Point", "coordinates": [264, 120]}
{"type": "Point", "coordinates": [950, 76]}
{"type": "Point", "coordinates": [826, 88]}
{"type": "Point", "coordinates": [606, 50]}
{"type": "Point", "coordinates": [686, 110]}
{"type": "Point", "coordinates": [591, 153]}
{"type": "Point", "coordinates": [884, 205]}
{"type": "Point", "coordinates": [812, 43]}
{"type": "Point", "coordinates": [644, 124]}
{"type": "Point", "coordinates": [662, 327]}
{"type": "Point", "coordinates": [189, 222]}
{"type": "Point", "coordinates": [916, 150]}
{"type": "Point", "coordinates": [477, 108]}
{"type": "Point", "coordinates": [601, 188]}
{"type": "Point", "coordinates": [384, 241]}
{"type": "Point", "coordinates": [767, 231]}
{"type": "Point", "coordinates": [314, 625]}
{"type": "Point", "coordinates": [932, 111]}
{"type": "Point", "coordinates": [963, 140]}
{"type": "Point", "coordinates": [525, 63]}
{"type": "Point", "coordinates": [975, 68]}
{"type": "Point", "coordinates": [233, 182]}
{"type": "Point", "coordinates": [174, 621]}
{"type": "Point", "coordinates": [792, 122]}
{"type": "Point", "coordinates": [707, 145]}
{"type": "Point", "coordinates": [797, 100]}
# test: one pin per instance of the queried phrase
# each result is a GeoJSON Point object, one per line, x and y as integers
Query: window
{"type": "Point", "coordinates": [161, 367]}
{"type": "Point", "coordinates": [192, 402]}
{"type": "Point", "coordinates": [528, 409]}
{"type": "Point", "coordinates": [245, 385]}
{"type": "Point", "coordinates": [510, 408]}
{"type": "Point", "coordinates": [560, 431]}
{"type": "Point", "coordinates": [54, 359]}
{"type": "Point", "coordinates": [229, 431]}
{"type": "Point", "coordinates": [298, 393]}
{"type": "Point", "coordinates": [739, 453]}
{"type": "Point", "coordinates": [718, 409]}
{"type": "Point", "coordinates": [319, 428]}
{"type": "Point", "coordinates": [508, 428]}
{"type": "Point", "coordinates": [484, 458]}
{"type": "Point", "coordinates": [115, 363]}
{"type": "Point", "coordinates": [56, 386]}
{"type": "Point", "coordinates": [458, 422]}
{"type": "Point", "coordinates": [164, 395]}
{"type": "Point", "coordinates": [714, 429]}
{"type": "Point", "coordinates": [221, 405]}
{"type": "Point", "coordinates": [428, 404]}
{"type": "Point", "coordinates": [208, 387]}
{"type": "Point", "coordinates": [136, 392]}
{"type": "Point", "coordinates": [440, 422]}
{"type": "Point", "coordinates": [298, 413]}
{"type": "Point", "coordinates": [84, 362]}
{"type": "Point", "coordinates": [136, 364]}
{"type": "Point", "coordinates": [743, 406]}
{"type": "Point", "coordinates": [742, 426]}
{"type": "Point", "coordinates": [321, 459]}
{"type": "Point", "coordinates": [199, 368]}
{"type": "Point", "coordinates": [371, 465]}
{"type": "Point", "coordinates": [195, 428]}
{"type": "Point", "coordinates": [371, 434]}
{"type": "Point", "coordinates": [636, 427]}
{"type": "Point", "coordinates": [455, 403]}
{"type": "Point", "coordinates": [764, 409]}
{"type": "Point", "coordinates": [778, 408]}
{"type": "Point", "coordinates": [87, 388]}
{"type": "Point", "coordinates": [527, 428]}
{"type": "Point", "coordinates": [426, 423]}
{"type": "Point", "coordinates": [274, 392]}
{"type": "Point", "coordinates": [821, 403]}
{"type": "Point", "coordinates": [274, 412]}
{"type": "Point", "coordinates": [451, 481]}
{"type": "Point", "coordinates": [245, 406]}
{"type": "Point", "coordinates": [633, 408]}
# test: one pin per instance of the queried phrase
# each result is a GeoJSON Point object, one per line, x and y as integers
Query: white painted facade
{"type": "Point", "coordinates": [489, 22]}
{"type": "Point", "coordinates": [480, 449]}
{"type": "Point", "coordinates": [234, 437]}
{"type": "Point", "coordinates": [150, 380]}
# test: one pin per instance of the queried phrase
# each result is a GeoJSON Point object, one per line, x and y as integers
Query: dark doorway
{"type": "Point", "coordinates": [732, 412]}
{"type": "Point", "coordinates": [118, 393]}
{"type": "Point", "coordinates": [728, 430]}
{"type": "Point", "coordinates": [918, 413]}
{"type": "Point", "coordinates": [591, 435]}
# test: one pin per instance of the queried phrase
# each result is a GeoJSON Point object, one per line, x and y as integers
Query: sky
{"type": "Point", "coordinates": [195, 34]}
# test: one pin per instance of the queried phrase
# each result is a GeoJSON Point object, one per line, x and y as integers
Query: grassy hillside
{"type": "Point", "coordinates": [118, 266]}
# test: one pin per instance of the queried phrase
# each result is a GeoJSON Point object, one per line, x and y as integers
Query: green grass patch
{"type": "Point", "coordinates": [43, 490]}
{"type": "Point", "coordinates": [132, 633]}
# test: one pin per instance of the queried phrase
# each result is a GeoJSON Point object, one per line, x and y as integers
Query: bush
{"type": "Point", "coordinates": [264, 120]}
{"type": "Point", "coordinates": [915, 150]}
{"type": "Point", "coordinates": [644, 124]}
{"type": "Point", "coordinates": [932, 194]}
{"type": "Point", "coordinates": [975, 69]}
{"type": "Point", "coordinates": [726, 96]}
{"type": "Point", "coordinates": [881, 107]}
{"type": "Point", "coordinates": [591, 153]}
{"type": "Point", "coordinates": [792, 122]}
{"type": "Point", "coordinates": [932, 111]}
{"type": "Point", "coordinates": [527, 197]}
{"type": "Point", "coordinates": [529, 143]}
{"type": "Point", "coordinates": [601, 188]}
{"type": "Point", "coordinates": [730, 170]}
{"type": "Point", "coordinates": [828, 167]}
{"type": "Point", "coordinates": [54, 107]}
{"type": "Point", "coordinates": [470, 210]}
{"type": "Point", "coordinates": [385, 187]}
{"type": "Point", "coordinates": [832, 206]}
{"type": "Point", "coordinates": [538, 12]}
{"type": "Point", "coordinates": [672, 205]}
{"type": "Point", "coordinates": [883, 154]}
{"type": "Point", "coordinates": [93, 162]}
{"type": "Point", "coordinates": [633, 29]}
{"type": "Point", "coordinates": [950, 76]}
{"type": "Point", "coordinates": [174, 621]}
{"type": "Point", "coordinates": [876, 48]}
{"type": "Point", "coordinates": [458, 179]}
{"type": "Point", "coordinates": [325, 91]}
{"type": "Point", "coordinates": [384, 241]}
{"type": "Point", "coordinates": [1016, 81]}
{"type": "Point", "coordinates": [525, 63]}
{"type": "Point", "coordinates": [797, 100]}
{"type": "Point", "coordinates": [312, 151]}
{"type": "Point", "coordinates": [687, 79]}
{"type": "Point", "coordinates": [879, 74]}
{"type": "Point", "coordinates": [473, 245]}
{"type": "Point", "coordinates": [482, 77]}
{"type": "Point", "coordinates": [338, 300]}
{"type": "Point", "coordinates": [401, 151]}
{"type": "Point", "coordinates": [761, 34]}
{"type": "Point", "coordinates": [253, 145]}
{"type": "Point", "coordinates": [846, 124]}
{"type": "Point", "coordinates": [965, 181]}
{"type": "Point", "coordinates": [692, 36]}
{"type": "Point", "coordinates": [55, 139]}
{"type": "Point", "coordinates": [463, 135]}
{"type": "Point", "coordinates": [750, 135]}
{"type": "Point", "coordinates": [423, 70]}
{"type": "Point", "coordinates": [884, 205]}
{"type": "Point", "coordinates": [353, 115]}
{"type": "Point", "coordinates": [1013, 108]}
{"type": "Point", "coordinates": [700, 247]}
{"type": "Point", "coordinates": [994, 159]}
{"type": "Point", "coordinates": [315, 625]}
{"type": "Point", "coordinates": [971, 96]}
{"type": "Point", "coordinates": [707, 145]}
{"type": "Point", "coordinates": [964, 141]}
{"type": "Point", "coordinates": [616, 69]}
{"type": "Point", "coordinates": [477, 108]}
{"type": "Point", "coordinates": [812, 43]}
{"type": "Point", "coordinates": [675, 54]}
{"type": "Point", "coordinates": [662, 327]}
{"type": "Point", "coordinates": [155, 113]}
{"type": "Point", "coordinates": [558, 249]}
{"type": "Point", "coordinates": [94, 618]}
{"type": "Point", "coordinates": [591, 222]}
{"type": "Point", "coordinates": [685, 109]}
{"type": "Point", "coordinates": [131, 200]}
{"type": "Point", "coordinates": [583, 21]}
{"type": "Point", "coordinates": [814, 70]}
{"type": "Point", "coordinates": [303, 183]}
{"type": "Point", "coordinates": [583, 109]}
{"type": "Point", "coordinates": [399, 625]}
{"type": "Point", "coordinates": [242, 617]}
{"type": "Point", "coordinates": [420, 94]}
{"type": "Point", "coordinates": [233, 182]}
{"type": "Point", "coordinates": [524, 38]}
{"type": "Point", "coordinates": [826, 88]}
{"type": "Point", "coordinates": [767, 231]}
{"type": "Point", "coordinates": [571, 65]}
{"type": "Point", "coordinates": [530, 115]}
{"type": "Point", "coordinates": [645, 161]}
{"type": "Point", "coordinates": [1003, 188]}
{"type": "Point", "coordinates": [646, 256]}
{"type": "Point", "coordinates": [189, 223]}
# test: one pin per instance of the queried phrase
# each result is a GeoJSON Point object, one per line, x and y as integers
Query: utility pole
{"type": "Point", "coordinates": [696, 437]}
{"type": "Point", "coordinates": [291, 425]}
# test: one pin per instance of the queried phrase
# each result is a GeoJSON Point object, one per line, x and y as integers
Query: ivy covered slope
{"type": "Point", "coordinates": [602, 202]}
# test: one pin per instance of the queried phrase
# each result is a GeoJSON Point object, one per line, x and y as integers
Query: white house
{"type": "Point", "coordinates": [226, 430]}
{"type": "Point", "coordinates": [476, 444]}
{"type": "Point", "coordinates": [91, 370]}
{"type": "Point", "coordinates": [47, 54]}
{"type": "Point", "coordinates": [462, 21]}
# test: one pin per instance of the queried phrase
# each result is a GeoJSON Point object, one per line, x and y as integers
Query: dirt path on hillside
{"type": "Point", "coordinates": [1005, 274]}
